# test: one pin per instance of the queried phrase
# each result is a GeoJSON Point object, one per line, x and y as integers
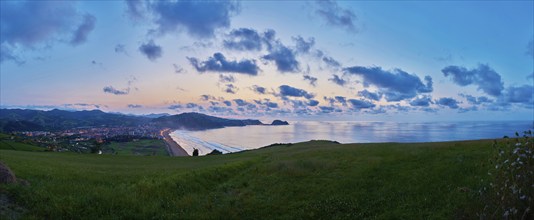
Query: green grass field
{"type": "Point", "coordinates": [140, 147]}
{"type": "Point", "coordinates": [312, 180]}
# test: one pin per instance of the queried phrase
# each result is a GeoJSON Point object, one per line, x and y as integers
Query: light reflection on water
{"type": "Point", "coordinates": [233, 139]}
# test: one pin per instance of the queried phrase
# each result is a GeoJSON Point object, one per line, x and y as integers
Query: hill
{"type": "Point", "coordinates": [55, 120]}
{"type": "Point", "coordinates": [311, 180]}
{"type": "Point", "coordinates": [197, 121]}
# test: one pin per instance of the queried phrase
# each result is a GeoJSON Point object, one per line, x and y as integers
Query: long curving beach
{"type": "Point", "coordinates": [174, 148]}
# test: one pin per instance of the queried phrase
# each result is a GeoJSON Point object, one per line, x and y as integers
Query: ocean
{"type": "Point", "coordinates": [233, 139]}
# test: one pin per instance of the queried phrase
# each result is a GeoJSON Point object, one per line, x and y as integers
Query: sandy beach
{"type": "Point", "coordinates": [173, 148]}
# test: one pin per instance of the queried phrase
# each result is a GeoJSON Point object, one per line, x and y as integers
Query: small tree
{"type": "Point", "coordinates": [195, 152]}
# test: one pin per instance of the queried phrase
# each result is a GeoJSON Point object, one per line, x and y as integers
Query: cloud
{"type": "Point", "coordinates": [312, 80]}
{"type": "Point", "coordinates": [370, 95]}
{"type": "Point", "coordinates": [286, 90]}
{"type": "Point", "coordinates": [134, 106]}
{"type": "Point", "coordinates": [151, 50]}
{"type": "Point", "coordinates": [423, 101]}
{"type": "Point", "coordinates": [284, 58]}
{"type": "Point", "coordinates": [476, 100]}
{"type": "Point", "coordinates": [199, 18]}
{"type": "Point", "coordinates": [240, 102]}
{"type": "Point", "coordinates": [396, 85]}
{"type": "Point", "coordinates": [30, 24]}
{"type": "Point", "coordinates": [136, 9]}
{"type": "Point", "coordinates": [483, 76]}
{"type": "Point", "coordinates": [448, 102]}
{"type": "Point", "coordinates": [338, 80]}
{"type": "Point", "coordinates": [243, 39]}
{"type": "Point", "coordinates": [331, 62]}
{"type": "Point", "coordinates": [519, 94]}
{"type": "Point", "coordinates": [230, 88]}
{"type": "Point", "coordinates": [313, 102]}
{"type": "Point", "coordinates": [335, 15]}
{"type": "Point", "coordinates": [360, 104]}
{"type": "Point", "coordinates": [178, 68]}
{"type": "Point", "coordinates": [259, 89]}
{"type": "Point", "coordinates": [110, 89]}
{"type": "Point", "coordinates": [227, 103]}
{"type": "Point", "coordinates": [175, 107]}
{"type": "Point", "coordinates": [207, 97]}
{"type": "Point", "coordinates": [341, 99]}
{"type": "Point", "coordinates": [530, 48]}
{"type": "Point", "coordinates": [267, 103]}
{"type": "Point", "coordinates": [302, 45]}
{"type": "Point", "coordinates": [120, 48]}
{"type": "Point", "coordinates": [83, 31]}
{"type": "Point", "coordinates": [218, 63]}
{"type": "Point", "coordinates": [226, 78]}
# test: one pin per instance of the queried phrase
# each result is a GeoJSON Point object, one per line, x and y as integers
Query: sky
{"type": "Point", "coordinates": [295, 60]}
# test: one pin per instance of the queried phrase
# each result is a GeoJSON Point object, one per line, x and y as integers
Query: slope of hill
{"type": "Point", "coordinates": [312, 180]}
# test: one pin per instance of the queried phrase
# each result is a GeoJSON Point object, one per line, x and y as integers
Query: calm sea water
{"type": "Point", "coordinates": [234, 139]}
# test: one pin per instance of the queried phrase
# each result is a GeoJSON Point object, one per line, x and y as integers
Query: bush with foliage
{"type": "Point", "coordinates": [510, 194]}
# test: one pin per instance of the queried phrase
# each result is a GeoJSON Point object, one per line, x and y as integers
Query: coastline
{"type": "Point", "coordinates": [174, 149]}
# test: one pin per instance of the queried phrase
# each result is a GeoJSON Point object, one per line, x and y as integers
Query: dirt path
{"type": "Point", "coordinates": [174, 148]}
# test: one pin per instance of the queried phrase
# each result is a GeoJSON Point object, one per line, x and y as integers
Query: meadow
{"type": "Point", "coordinates": [317, 179]}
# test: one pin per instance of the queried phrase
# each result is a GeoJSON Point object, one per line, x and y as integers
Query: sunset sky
{"type": "Point", "coordinates": [305, 60]}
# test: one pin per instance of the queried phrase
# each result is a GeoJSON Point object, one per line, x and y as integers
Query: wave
{"type": "Point", "coordinates": [189, 143]}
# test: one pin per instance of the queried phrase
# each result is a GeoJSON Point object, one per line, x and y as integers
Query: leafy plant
{"type": "Point", "coordinates": [510, 194]}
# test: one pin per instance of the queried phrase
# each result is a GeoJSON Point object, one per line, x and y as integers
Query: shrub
{"type": "Point", "coordinates": [511, 189]}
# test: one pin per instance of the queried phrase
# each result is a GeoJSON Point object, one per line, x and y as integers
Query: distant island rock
{"type": "Point", "coordinates": [279, 122]}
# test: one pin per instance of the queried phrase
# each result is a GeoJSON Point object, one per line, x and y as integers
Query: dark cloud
{"type": "Point", "coordinates": [341, 100]}
{"type": "Point", "coordinates": [134, 106]}
{"type": "Point", "coordinates": [423, 101]}
{"type": "Point", "coordinates": [120, 48]}
{"type": "Point", "coordinates": [328, 109]}
{"type": "Point", "coordinates": [227, 103]}
{"type": "Point", "coordinates": [476, 100]}
{"type": "Point", "coordinates": [361, 104]}
{"type": "Point", "coordinates": [83, 31]}
{"type": "Point", "coordinates": [286, 90]}
{"type": "Point", "coordinates": [331, 62]}
{"type": "Point", "coordinates": [218, 63]}
{"type": "Point", "coordinates": [335, 15]}
{"type": "Point", "coordinates": [396, 85]}
{"type": "Point", "coordinates": [230, 88]}
{"type": "Point", "coordinates": [175, 107]}
{"type": "Point", "coordinates": [302, 45]}
{"type": "Point", "coordinates": [313, 102]}
{"type": "Point", "coordinates": [199, 18]}
{"type": "Point", "coordinates": [226, 78]}
{"type": "Point", "coordinates": [259, 89]}
{"type": "Point", "coordinates": [267, 103]}
{"type": "Point", "coordinates": [151, 50]}
{"type": "Point", "coordinates": [284, 58]}
{"type": "Point", "coordinates": [207, 97]}
{"type": "Point", "coordinates": [530, 48]}
{"type": "Point", "coordinates": [448, 102]}
{"type": "Point", "coordinates": [31, 24]}
{"type": "Point", "coordinates": [312, 80]}
{"type": "Point", "coordinates": [519, 94]}
{"type": "Point", "coordinates": [483, 76]}
{"type": "Point", "coordinates": [191, 105]}
{"type": "Point", "coordinates": [243, 39]}
{"type": "Point", "coordinates": [338, 80]}
{"type": "Point", "coordinates": [178, 68]}
{"type": "Point", "coordinates": [240, 102]}
{"type": "Point", "coordinates": [370, 95]}
{"type": "Point", "coordinates": [110, 89]}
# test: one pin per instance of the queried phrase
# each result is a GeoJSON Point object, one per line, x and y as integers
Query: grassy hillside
{"type": "Point", "coordinates": [149, 147]}
{"type": "Point", "coordinates": [318, 180]}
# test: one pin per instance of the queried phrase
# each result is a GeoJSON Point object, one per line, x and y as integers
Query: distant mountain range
{"type": "Point", "coordinates": [55, 120]}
